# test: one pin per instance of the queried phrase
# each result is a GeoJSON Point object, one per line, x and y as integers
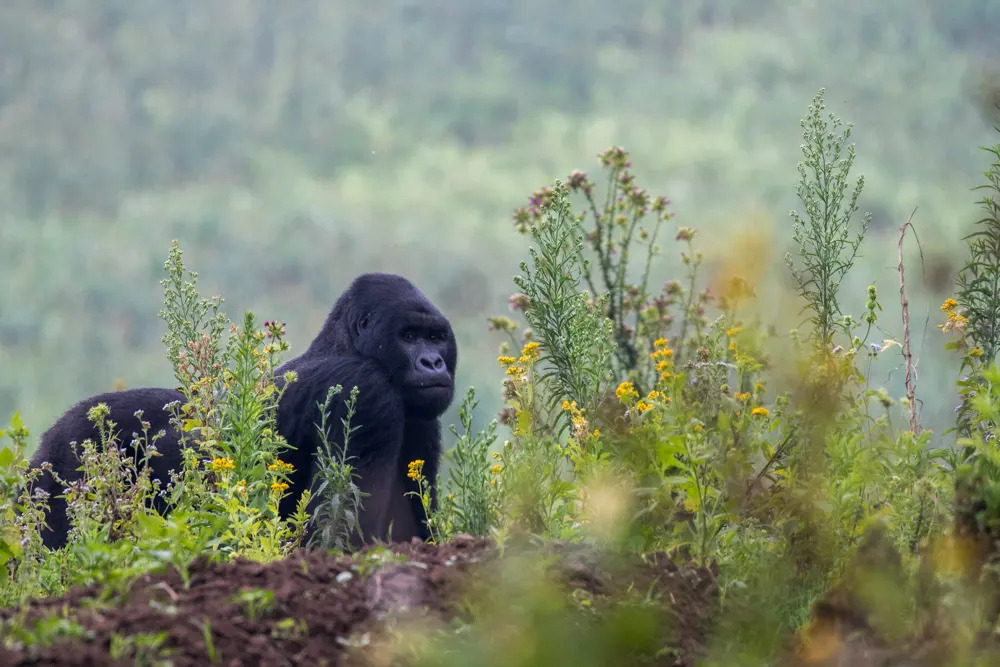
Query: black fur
{"type": "Point", "coordinates": [74, 426]}
{"type": "Point", "coordinates": [384, 336]}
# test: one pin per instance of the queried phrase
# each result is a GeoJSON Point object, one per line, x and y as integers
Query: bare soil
{"type": "Point", "coordinates": [330, 610]}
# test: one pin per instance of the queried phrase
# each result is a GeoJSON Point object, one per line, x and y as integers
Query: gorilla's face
{"type": "Point", "coordinates": [428, 381]}
{"type": "Point", "coordinates": [414, 342]}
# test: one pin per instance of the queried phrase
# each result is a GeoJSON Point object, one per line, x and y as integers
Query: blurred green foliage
{"type": "Point", "coordinates": [291, 146]}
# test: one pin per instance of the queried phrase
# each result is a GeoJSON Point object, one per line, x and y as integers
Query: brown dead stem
{"type": "Point", "coordinates": [911, 382]}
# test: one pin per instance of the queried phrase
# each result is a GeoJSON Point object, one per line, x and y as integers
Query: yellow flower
{"type": "Point", "coordinates": [530, 348]}
{"type": "Point", "coordinates": [506, 361]}
{"type": "Point", "coordinates": [660, 342]}
{"type": "Point", "coordinates": [218, 465]}
{"type": "Point", "coordinates": [698, 428]}
{"type": "Point", "coordinates": [414, 469]}
{"type": "Point", "coordinates": [760, 412]}
{"type": "Point", "coordinates": [661, 353]}
{"type": "Point", "coordinates": [735, 330]}
{"type": "Point", "coordinates": [625, 391]}
{"type": "Point", "coordinates": [744, 397]}
{"type": "Point", "coordinates": [496, 469]}
{"type": "Point", "coordinates": [955, 319]}
{"type": "Point", "coordinates": [642, 406]}
{"type": "Point", "coordinates": [653, 395]}
{"type": "Point", "coordinates": [279, 487]}
{"type": "Point", "coordinates": [597, 432]}
{"type": "Point", "coordinates": [565, 405]}
{"type": "Point", "coordinates": [281, 466]}
{"type": "Point", "coordinates": [514, 370]}
{"type": "Point", "coordinates": [976, 352]}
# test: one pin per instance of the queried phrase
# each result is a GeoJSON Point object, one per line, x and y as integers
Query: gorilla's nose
{"type": "Point", "coordinates": [431, 362]}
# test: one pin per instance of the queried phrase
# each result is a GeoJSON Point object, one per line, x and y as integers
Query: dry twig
{"type": "Point", "coordinates": [911, 383]}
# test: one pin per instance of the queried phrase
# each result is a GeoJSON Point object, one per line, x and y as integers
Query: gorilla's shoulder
{"type": "Point", "coordinates": [148, 399]}
{"type": "Point", "coordinates": [315, 375]}
{"type": "Point", "coordinates": [75, 425]}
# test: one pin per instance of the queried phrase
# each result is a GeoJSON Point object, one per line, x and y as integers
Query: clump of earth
{"type": "Point", "coordinates": [314, 608]}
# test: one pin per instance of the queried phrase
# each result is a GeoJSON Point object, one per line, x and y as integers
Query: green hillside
{"type": "Point", "coordinates": [292, 146]}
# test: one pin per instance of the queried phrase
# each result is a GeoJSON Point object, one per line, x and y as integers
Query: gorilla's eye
{"type": "Point", "coordinates": [436, 337]}
{"type": "Point", "coordinates": [409, 336]}
{"type": "Point", "coordinates": [363, 323]}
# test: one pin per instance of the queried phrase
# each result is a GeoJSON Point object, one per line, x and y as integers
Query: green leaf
{"type": "Point", "coordinates": [675, 480]}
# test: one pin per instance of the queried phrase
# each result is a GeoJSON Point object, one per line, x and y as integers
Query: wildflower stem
{"type": "Point", "coordinates": [911, 389]}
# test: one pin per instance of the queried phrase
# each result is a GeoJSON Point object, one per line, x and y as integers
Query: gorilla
{"type": "Point", "coordinates": [383, 336]}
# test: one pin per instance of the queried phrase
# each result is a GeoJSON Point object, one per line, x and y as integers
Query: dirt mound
{"type": "Point", "coordinates": [316, 609]}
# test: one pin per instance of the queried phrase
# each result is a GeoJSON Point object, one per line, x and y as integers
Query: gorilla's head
{"type": "Point", "coordinates": [386, 318]}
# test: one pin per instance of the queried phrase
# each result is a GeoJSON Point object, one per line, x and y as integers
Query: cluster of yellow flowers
{"type": "Point", "coordinates": [221, 464]}
{"type": "Point", "coordinates": [626, 392]}
{"type": "Point", "coordinates": [279, 487]}
{"type": "Point", "coordinates": [730, 334]}
{"type": "Point", "coordinates": [955, 320]}
{"type": "Point", "coordinates": [746, 396]}
{"type": "Point", "coordinates": [281, 466]}
{"type": "Point", "coordinates": [663, 356]}
{"type": "Point", "coordinates": [517, 366]}
{"type": "Point", "coordinates": [415, 469]}
{"type": "Point", "coordinates": [577, 419]}
{"type": "Point", "coordinates": [497, 468]}
{"type": "Point", "coordinates": [652, 397]}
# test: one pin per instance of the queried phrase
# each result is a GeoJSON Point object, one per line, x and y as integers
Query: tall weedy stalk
{"type": "Point", "coordinates": [469, 502]}
{"type": "Point", "coordinates": [575, 334]}
{"type": "Point", "coordinates": [194, 337]}
{"type": "Point", "coordinates": [620, 227]}
{"type": "Point", "coordinates": [977, 321]}
{"type": "Point", "coordinates": [826, 246]}
{"type": "Point", "coordinates": [979, 279]}
{"type": "Point", "coordinates": [336, 516]}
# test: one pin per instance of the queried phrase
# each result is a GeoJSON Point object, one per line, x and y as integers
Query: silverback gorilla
{"type": "Point", "coordinates": [383, 336]}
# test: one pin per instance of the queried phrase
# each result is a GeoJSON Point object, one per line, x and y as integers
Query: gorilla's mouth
{"type": "Point", "coordinates": [434, 386]}
{"type": "Point", "coordinates": [432, 391]}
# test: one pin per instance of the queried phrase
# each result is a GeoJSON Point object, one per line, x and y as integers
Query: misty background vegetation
{"type": "Point", "coordinates": [291, 146]}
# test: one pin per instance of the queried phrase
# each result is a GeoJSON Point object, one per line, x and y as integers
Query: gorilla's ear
{"type": "Point", "coordinates": [363, 322]}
